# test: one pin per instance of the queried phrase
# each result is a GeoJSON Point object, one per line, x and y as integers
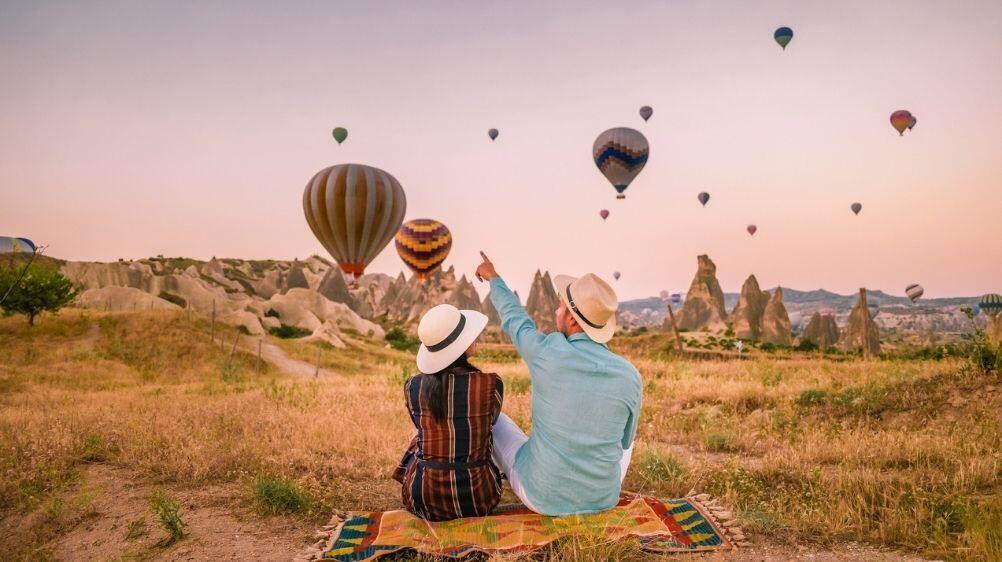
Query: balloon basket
{"type": "Point", "coordinates": [620, 197]}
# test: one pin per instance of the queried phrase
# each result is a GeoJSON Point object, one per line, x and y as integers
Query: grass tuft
{"type": "Point", "coordinates": [275, 494]}
{"type": "Point", "coordinates": [167, 510]}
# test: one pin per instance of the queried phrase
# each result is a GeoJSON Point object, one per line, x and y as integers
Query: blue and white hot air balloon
{"type": "Point", "coordinates": [10, 244]}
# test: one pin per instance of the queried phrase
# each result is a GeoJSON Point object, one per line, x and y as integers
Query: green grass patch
{"type": "Point", "coordinates": [275, 494]}
{"type": "Point", "coordinates": [167, 510]}
{"type": "Point", "coordinates": [287, 332]}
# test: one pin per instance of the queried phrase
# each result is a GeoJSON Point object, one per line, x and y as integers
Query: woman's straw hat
{"type": "Point", "coordinates": [446, 333]}
{"type": "Point", "coordinates": [592, 302]}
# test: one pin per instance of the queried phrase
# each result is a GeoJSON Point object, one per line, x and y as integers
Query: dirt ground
{"type": "Point", "coordinates": [222, 530]}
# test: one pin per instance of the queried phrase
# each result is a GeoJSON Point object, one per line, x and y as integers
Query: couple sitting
{"type": "Point", "coordinates": [585, 409]}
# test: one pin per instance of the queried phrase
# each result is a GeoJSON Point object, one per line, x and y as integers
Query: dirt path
{"type": "Point", "coordinates": [107, 517]}
{"type": "Point", "coordinates": [279, 358]}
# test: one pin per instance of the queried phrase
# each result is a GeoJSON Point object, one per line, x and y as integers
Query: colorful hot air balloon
{"type": "Point", "coordinates": [914, 291]}
{"type": "Point", "coordinates": [911, 124]}
{"type": "Point", "coordinates": [646, 112]}
{"type": "Point", "coordinates": [492, 133]}
{"type": "Point", "coordinates": [620, 154]}
{"type": "Point", "coordinates": [856, 208]}
{"type": "Point", "coordinates": [340, 133]}
{"type": "Point", "coordinates": [663, 295]}
{"type": "Point", "coordinates": [900, 120]}
{"type": "Point", "coordinates": [423, 244]}
{"type": "Point", "coordinates": [354, 211]}
{"type": "Point", "coordinates": [616, 274]}
{"type": "Point", "coordinates": [783, 36]}
{"type": "Point", "coordinates": [676, 298]}
{"type": "Point", "coordinates": [752, 229]}
{"type": "Point", "coordinates": [703, 198]}
{"type": "Point", "coordinates": [604, 214]}
{"type": "Point", "coordinates": [991, 304]}
{"type": "Point", "coordinates": [10, 244]}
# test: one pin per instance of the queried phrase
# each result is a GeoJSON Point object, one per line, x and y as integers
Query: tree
{"type": "Point", "coordinates": [40, 289]}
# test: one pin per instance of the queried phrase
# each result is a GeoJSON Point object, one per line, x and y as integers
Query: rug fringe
{"type": "Point", "coordinates": [722, 517]}
{"type": "Point", "coordinates": [326, 536]}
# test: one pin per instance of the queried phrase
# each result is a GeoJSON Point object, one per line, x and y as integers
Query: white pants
{"type": "Point", "coordinates": [509, 438]}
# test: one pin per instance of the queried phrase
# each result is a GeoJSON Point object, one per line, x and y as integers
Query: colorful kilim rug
{"type": "Point", "coordinates": [663, 526]}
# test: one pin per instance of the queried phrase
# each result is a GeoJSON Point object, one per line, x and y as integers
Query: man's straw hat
{"type": "Point", "coordinates": [446, 333]}
{"type": "Point", "coordinates": [592, 302]}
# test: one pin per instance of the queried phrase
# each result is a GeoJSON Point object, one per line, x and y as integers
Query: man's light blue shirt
{"type": "Point", "coordinates": [585, 409]}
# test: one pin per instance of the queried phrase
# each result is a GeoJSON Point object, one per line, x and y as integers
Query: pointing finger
{"type": "Point", "coordinates": [483, 255]}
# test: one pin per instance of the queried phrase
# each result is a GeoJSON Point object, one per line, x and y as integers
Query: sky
{"type": "Point", "coordinates": [130, 129]}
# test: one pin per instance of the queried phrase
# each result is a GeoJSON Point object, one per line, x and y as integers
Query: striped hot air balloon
{"type": "Point", "coordinates": [914, 291]}
{"type": "Point", "coordinates": [991, 304]}
{"type": "Point", "coordinates": [423, 244]}
{"type": "Point", "coordinates": [354, 210]}
{"type": "Point", "coordinates": [620, 154]}
{"type": "Point", "coordinates": [10, 244]}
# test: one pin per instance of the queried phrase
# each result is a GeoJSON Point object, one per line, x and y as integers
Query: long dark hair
{"type": "Point", "coordinates": [433, 389]}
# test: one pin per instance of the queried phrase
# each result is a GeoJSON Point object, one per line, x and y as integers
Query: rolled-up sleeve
{"type": "Point", "coordinates": [515, 321]}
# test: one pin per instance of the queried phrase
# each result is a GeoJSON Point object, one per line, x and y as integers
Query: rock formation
{"type": "Point", "coordinates": [487, 307]}
{"type": "Point", "coordinates": [307, 309]}
{"type": "Point", "coordinates": [334, 287]}
{"type": "Point", "coordinates": [746, 319]}
{"type": "Point", "coordinates": [704, 303]}
{"type": "Point", "coordinates": [543, 303]}
{"type": "Point", "coordinates": [296, 279]}
{"type": "Point", "coordinates": [776, 327]}
{"type": "Point", "coordinates": [417, 296]}
{"type": "Point", "coordinates": [852, 334]}
{"type": "Point", "coordinates": [821, 331]}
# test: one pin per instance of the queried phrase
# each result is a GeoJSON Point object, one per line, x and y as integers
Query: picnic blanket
{"type": "Point", "coordinates": [693, 524]}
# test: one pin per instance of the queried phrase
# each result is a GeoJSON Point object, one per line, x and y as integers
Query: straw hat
{"type": "Point", "coordinates": [592, 303]}
{"type": "Point", "coordinates": [446, 333]}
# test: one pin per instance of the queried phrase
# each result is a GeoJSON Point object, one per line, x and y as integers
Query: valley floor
{"type": "Point", "coordinates": [116, 428]}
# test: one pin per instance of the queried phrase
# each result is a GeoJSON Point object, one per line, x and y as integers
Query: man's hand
{"type": "Point", "coordinates": [485, 271]}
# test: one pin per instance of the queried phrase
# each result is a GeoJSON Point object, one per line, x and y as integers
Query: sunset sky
{"type": "Point", "coordinates": [130, 129]}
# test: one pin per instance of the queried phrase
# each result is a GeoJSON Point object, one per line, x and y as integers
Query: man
{"type": "Point", "coordinates": [585, 400]}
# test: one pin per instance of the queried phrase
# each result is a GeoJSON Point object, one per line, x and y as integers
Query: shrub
{"type": "Point", "coordinates": [275, 494]}
{"type": "Point", "coordinates": [286, 332]}
{"type": "Point", "coordinates": [719, 441]}
{"type": "Point", "coordinates": [176, 299]}
{"type": "Point", "coordinates": [271, 313]}
{"type": "Point", "coordinates": [812, 397]}
{"type": "Point", "coordinates": [402, 341]}
{"type": "Point", "coordinates": [806, 345]}
{"type": "Point", "coordinates": [168, 512]}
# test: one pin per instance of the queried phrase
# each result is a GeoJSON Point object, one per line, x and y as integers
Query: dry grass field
{"type": "Point", "coordinates": [131, 436]}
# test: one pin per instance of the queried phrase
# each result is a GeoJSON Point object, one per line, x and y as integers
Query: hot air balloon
{"type": "Point", "coordinates": [703, 198]}
{"type": "Point", "coordinates": [900, 120]}
{"type": "Point", "coordinates": [604, 214]}
{"type": "Point", "coordinates": [991, 304]}
{"type": "Point", "coordinates": [616, 274]}
{"type": "Point", "coordinates": [975, 310]}
{"type": "Point", "coordinates": [354, 211]}
{"type": "Point", "coordinates": [423, 244]}
{"type": "Point", "coordinates": [620, 154]}
{"type": "Point", "coordinates": [914, 291]}
{"type": "Point", "coordinates": [663, 295]}
{"type": "Point", "coordinates": [340, 133]}
{"type": "Point", "coordinates": [856, 208]}
{"type": "Point", "coordinates": [10, 244]}
{"type": "Point", "coordinates": [827, 312]}
{"type": "Point", "coordinates": [752, 229]}
{"type": "Point", "coordinates": [492, 133]}
{"type": "Point", "coordinates": [911, 124]}
{"type": "Point", "coordinates": [676, 298]}
{"type": "Point", "coordinates": [783, 36]}
{"type": "Point", "coordinates": [646, 112]}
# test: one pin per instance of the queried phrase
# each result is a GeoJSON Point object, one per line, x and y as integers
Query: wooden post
{"type": "Point", "coordinates": [259, 364]}
{"type": "Point", "coordinates": [212, 330]}
{"type": "Point", "coordinates": [674, 327]}
{"type": "Point", "coordinates": [317, 372]}
{"type": "Point", "coordinates": [865, 332]}
{"type": "Point", "coordinates": [234, 347]}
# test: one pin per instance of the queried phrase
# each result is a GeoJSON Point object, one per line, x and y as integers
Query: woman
{"type": "Point", "coordinates": [447, 472]}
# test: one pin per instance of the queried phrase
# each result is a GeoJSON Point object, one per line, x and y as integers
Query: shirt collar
{"type": "Point", "coordinates": [578, 336]}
